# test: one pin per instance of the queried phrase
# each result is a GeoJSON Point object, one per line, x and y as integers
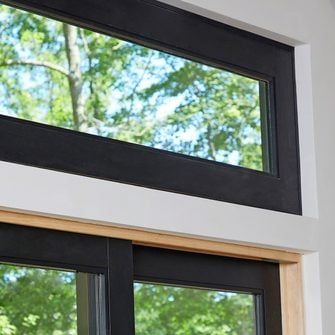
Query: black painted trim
{"type": "Point", "coordinates": [173, 30]}
{"type": "Point", "coordinates": [36, 246]}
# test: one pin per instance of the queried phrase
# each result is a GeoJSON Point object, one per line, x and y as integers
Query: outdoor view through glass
{"type": "Point", "coordinates": [170, 310]}
{"type": "Point", "coordinates": [58, 74]}
{"type": "Point", "coordinates": [36, 301]}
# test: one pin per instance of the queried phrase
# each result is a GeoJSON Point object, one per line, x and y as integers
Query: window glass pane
{"type": "Point", "coordinates": [61, 75]}
{"type": "Point", "coordinates": [169, 310]}
{"type": "Point", "coordinates": [35, 301]}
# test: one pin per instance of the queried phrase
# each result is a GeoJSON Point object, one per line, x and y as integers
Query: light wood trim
{"type": "Point", "coordinates": [150, 238]}
{"type": "Point", "coordinates": [292, 299]}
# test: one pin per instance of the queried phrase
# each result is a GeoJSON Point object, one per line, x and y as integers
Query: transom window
{"type": "Point", "coordinates": [144, 93]}
{"type": "Point", "coordinates": [62, 75]}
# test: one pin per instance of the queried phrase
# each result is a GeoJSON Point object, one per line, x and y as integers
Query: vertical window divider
{"type": "Point", "coordinates": [120, 287]}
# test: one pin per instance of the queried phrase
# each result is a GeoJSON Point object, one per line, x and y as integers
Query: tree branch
{"type": "Point", "coordinates": [137, 84]}
{"type": "Point", "coordinates": [133, 91]}
{"type": "Point", "coordinates": [47, 65]}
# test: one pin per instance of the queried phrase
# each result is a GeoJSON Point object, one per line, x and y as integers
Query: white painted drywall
{"type": "Point", "coordinates": [308, 25]}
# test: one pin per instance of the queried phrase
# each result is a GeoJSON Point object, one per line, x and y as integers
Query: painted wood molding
{"type": "Point", "coordinates": [150, 238]}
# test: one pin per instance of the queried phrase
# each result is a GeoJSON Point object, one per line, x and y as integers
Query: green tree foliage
{"type": "Point", "coordinates": [168, 310]}
{"type": "Point", "coordinates": [37, 302]}
{"type": "Point", "coordinates": [58, 74]}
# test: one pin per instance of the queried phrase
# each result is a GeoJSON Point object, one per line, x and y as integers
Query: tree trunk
{"type": "Point", "coordinates": [75, 77]}
{"type": "Point", "coordinates": [211, 147]}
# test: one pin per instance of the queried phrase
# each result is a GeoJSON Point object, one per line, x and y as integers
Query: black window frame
{"type": "Point", "coordinates": [185, 269]}
{"type": "Point", "coordinates": [160, 26]}
{"type": "Point", "coordinates": [28, 246]}
{"type": "Point", "coordinates": [124, 263]}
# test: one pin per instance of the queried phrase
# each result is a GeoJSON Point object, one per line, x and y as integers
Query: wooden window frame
{"type": "Point", "coordinates": [160, 26]}
{"type": "Point", "coordinates": [292, 310]}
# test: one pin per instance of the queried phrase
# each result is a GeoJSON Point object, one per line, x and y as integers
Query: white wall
{"type": "Point", "coordinates": [306, 24]}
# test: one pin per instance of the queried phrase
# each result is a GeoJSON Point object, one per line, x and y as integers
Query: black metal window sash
{"type": "Point", "coordinates": [123, 263]}
{"type": "Point", "coordinates": [153, 24]}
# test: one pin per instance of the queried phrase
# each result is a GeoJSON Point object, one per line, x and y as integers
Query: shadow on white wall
{"type": "Point", "coordinates": [332, 3]}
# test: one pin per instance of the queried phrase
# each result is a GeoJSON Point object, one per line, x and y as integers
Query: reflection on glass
{"type": "Point", "coordinates": [169, 310]}
{"type": "Point", "coordinates": [35, 301]}
{"type": "Point", "coordinates": [58, 74]}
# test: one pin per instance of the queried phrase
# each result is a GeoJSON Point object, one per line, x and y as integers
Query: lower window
{"type": "Point", "coordinates": [66, 284]}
